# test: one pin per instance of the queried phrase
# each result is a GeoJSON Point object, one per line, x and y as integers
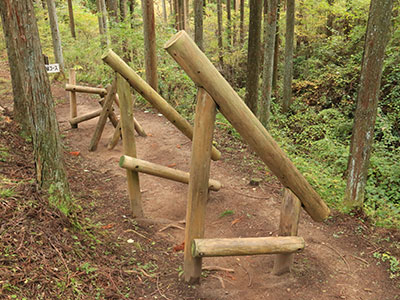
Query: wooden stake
{"type": "Point", "coordinates": [115, 138]}
{"type": "Point", "coordinates": [107, 107]}
{"type": "Point", "coordinates": [139, 129]}
{"type": "Point", "coordinates": [129, 145]}
{"type": "Point", "coordinates": [290, 215]}
{"type": "Point", "coordinates": [204, 74]}
{"type": "Point", "coordinates": [72, 98]}
{"type": "Point", "coordinates": [115, 62]}
{"type": "Point", "coordinates": [85, 117]}
{"type": "Point", "coordinates": [198, 182]}
{"type": "Point", "coordinates": [143, 166]}
{"type": "Point", "coordinates": [246, 246]}
{"type": "Point", "coordinates": [111, 116]}
{"type": "Point", "coordinates": [85, 89]}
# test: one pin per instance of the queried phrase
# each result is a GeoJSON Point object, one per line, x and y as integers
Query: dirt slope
{"type": "Point", "coordinates": [336, 263]}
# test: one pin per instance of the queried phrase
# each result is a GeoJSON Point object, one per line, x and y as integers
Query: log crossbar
{"type": "Point", "coordinates": [195, 63]}
{"type": "Point", "coordinates": [85, 89]}
{"type": "Point", "coordinates": [246, 246]}
{"type": "Point", "coordinates": [85, 117]}
{"type": "Point", "coordinates": [138, 165]}
{"type": "Point", "coordinates": [144, 89]}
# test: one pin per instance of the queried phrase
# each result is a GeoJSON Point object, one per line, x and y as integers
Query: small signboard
{"type": "Point", "coordinates": [53, 68]}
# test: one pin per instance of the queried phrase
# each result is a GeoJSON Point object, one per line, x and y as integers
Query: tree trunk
{"type": "Point", "coordinates": [113, 10]}
{"type": "Point", "coordinates": [288, 72]}
{"type": "Point", "coordinates": [229, 23]}
{"type": "Point", "coordinates": [241, 22]}
{"type": "Point", "coordinates": [103, 21]}
{"type": "Point", "coordinates": [219, 33]}
{"type": "Point", "coordinates": [330, 19]}
{"type": "Point", "coordinates": [22, 38]}
{"type": "Point", "coordinates": [253, 55]}
{"type": "Point", "coordinates": [276, 51]}
{"type": "Point", "coordinates": [198, 23]}
{"type": "Point", "coordinates": [150, 43]}
{"type": "Point", "coordinates": [269, 48]}
{"type": "Point", "coordinates": [378, 33]}
{"type": "Point", "coordinates": [71, 19]}
{"type": "Point", "coordinates": [55, 34]}
{"type": "Point", "coordinates": [186, 15]}
{"type": "Point", "coordinates": [122, 9]}
{"type": "Point", "coordinates": [164, 11]}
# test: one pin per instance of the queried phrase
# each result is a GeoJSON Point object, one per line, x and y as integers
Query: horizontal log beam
{"type": "Point", "coordinates": [85, 117]}
{"type": "Point", "coordinates": [85, 89]}
{"type": "Point", "coordinates": [138, 165]}
{"type": "Point", "coordinates": [186, 53]}
{"type": "Point", "coordinates": [143, 88]}
{"type": "Point", "coordinates": [246, 246]}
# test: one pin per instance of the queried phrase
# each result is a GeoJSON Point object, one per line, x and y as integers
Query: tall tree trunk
{"type": "Point", "coordinates": [219, 33]}
{"type": "Point", "coordinates": [22, 38]}
{"type": "Point", "coordinates": [113, 10]}
{"type": "Point", "coordinates": [198, 23]}
{"type": "Point", "coordinates": [229, 23]}
{"type": "Point", "coordinates": [330, 19]}
{"type": "Point", "coordinates": [55, 34]}
{"type": "Point", "coordinates": [378, 33]}
{"type": "Point", "coordinates": [103, 21]}
{"type": "Point", "coordinates": [269, 48]}
{"type": "Point", "coordinates": [186, 14]}
{"type": "Point", "coordinates": [150, 43]}
{"type": "Point", "coordinates": [276, 51]}
{"type": "Point", "coordinates": [71, 19]}
{"type": "Point", "coordinates": [288, 71]}
{"type": "Point", "coordinates": [123, 9]}
{"type": "Point", "coordinates": [253, 55]}
{"type": "Point", "coordinates": [164, 11]}
{"type": "Point", "coordinates": [241, 22]}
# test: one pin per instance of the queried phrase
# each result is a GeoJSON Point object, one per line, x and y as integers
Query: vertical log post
{"type": "Point", "coordinates": [115, 137]}
{"type": "Point", "coordinates": [107, 107]}
{"type": "Point", "coordinates": [288, 225]}
{"type": "Point", "coordinates": [72, 98]}
{"type": "Point", "coordinates": [198, 181]}
{"type": "Point", "coordinates": [128, 142]}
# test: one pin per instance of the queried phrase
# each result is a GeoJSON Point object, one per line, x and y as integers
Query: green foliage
{"type": "Point", "coordinates": [394, 264]}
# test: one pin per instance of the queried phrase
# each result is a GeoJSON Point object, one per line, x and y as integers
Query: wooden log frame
{"type": "Point", "coordinates": [198, 182]}
{"type": "Point", "coordinates": [115, 62]}
{"type": "Point", "coordinates": [85, 117]}
{"type": "Point", "coordinates": [115, 137]}
{"type": "Point", "coordinates": [246, 246]}
{"type": "Point", "coordinates": [72, 98]}
{"type": "Point", "coordinates": [105, 113]}
{"type": "Point", "coordinates": [129, 145]}
{"type": "Point", "coordinates": [85, 89]}
{"type": "Point", "coordinates": [183, 49]}
{"type": "Point", "coordinates": [138, 165]}
{"type": "Point", "coordinates": [288, 226]}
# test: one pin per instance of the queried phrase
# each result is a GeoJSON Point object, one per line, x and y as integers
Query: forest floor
{"type": "Point", "coordinates": [111, 256]}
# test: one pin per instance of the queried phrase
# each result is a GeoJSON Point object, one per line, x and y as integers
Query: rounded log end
{"type": "Point", "coordinates": [214, 185]}
{"type": "Point", "coordinates": [215, 154]}
{"type": "Point", "coordinates": [174, 38]}
{"type": "Point", "coordinates": [106, 54]}
{"type": "Point", "coordinates": [121, 161]}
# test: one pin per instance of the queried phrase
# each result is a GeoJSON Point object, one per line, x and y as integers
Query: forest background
{"type": "Point", "coordinates": [315, 131]}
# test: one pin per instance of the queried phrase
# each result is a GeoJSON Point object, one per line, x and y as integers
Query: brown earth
{"type": "Point", "coordinates": [337, 262]}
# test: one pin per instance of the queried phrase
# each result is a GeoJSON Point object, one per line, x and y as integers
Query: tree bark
{"type": "Point", "coordinates": [123, 9]}
{"type": "Point", "coordinates": [269, 48]}
{"type": "Point", "coordinates": [253, 55]}
{"type": "Point", "coordinates": [229, 23]}
{"type": "Point", "coordinates": [22, 38]}
{"type": "Point", "coordinates": [241, 22]}
{"type": "Point", "coordinates": [198, 23]}
{"type": "Point", "coordinates": [378, 33]}
{"type": "Point", "coordinates": [150, 43]}
{"type": "Point", "coordinates": [288, 72]}
{"type": "Point", "coordinates": [164, 11]}
{"type": "Point", "coordinates": [55, 34]}
{"type": "Point", "coordinates": [71, 19]}
{"type": "Point", "coordinates": [276, 51]}
{"type": "Point", "coordinates": [219, 33]}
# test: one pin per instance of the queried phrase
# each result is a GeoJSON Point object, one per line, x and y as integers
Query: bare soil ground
{"type": "Point", "coordinates": [337, 262]}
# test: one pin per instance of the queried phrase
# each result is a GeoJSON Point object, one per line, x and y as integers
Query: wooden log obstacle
{"type": "Point", "coordinates": [215, 91]}
{"type": "Point", "coordinates": [108, 96]}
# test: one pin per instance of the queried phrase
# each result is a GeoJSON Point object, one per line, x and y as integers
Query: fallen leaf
{"type": "Point", "coordinates": [236, 220]}
{"type": "Point", "coordinates": [171, 165]}
{"type": "Point", "coordinates": [7, 119]}
{"type": "Point", "coordinates": [178, 146]}
{"type": "Point", "coordinates": [179, 247]}
{"type": "Point", "coordinates": [75, 153]}
{"type": "Point", "coordinates": [108, 226]}
{"type": "Point", "coordinates": [149, 134]}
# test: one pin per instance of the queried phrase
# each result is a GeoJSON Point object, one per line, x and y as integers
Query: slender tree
{"type": "Point", "coordinates": [198, 23]}
{"type": "Point", "coordinates": [253, 55]}
{"type": "Point", "coordinates": [219, 32]}
{"type": "Point", "coordinates": [150, 43]}
{"type": "Point", "coordinates": [26, 60]}
{"type": "Point", "coordinates": [229, 23]}
{"type": "Point", "coordinates": [241, 25]}
{"type": "Point", "coordinates": [269, 48]}
{"type": "Point", "coordinates": [288, 70]}
{"type": "Point", "coordinates": [55, 33]}
{"type": "Point", "coordinates": [164, 10]}
{"type": "Point", "coordinates": [276, 51]}
{"type": "Point", "coordinates": [377, 36]}
{"type": "Point", "coordinates": [71, 18]}
{"type": "Point", "coordinates": [123, 9]}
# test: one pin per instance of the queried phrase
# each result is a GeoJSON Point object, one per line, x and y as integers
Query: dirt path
{"type": "Point", "coordinates": [337, 262]}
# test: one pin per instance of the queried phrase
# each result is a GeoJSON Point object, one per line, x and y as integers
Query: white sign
{"type": "Point", "coordinates": [53, 68]}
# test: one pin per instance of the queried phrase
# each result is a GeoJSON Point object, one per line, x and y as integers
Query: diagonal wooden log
{"type": "Point", "coordinates": [85, 117]}
{"type": "Point", "coordinates": [115, 62]}
{"type": "Point", "coordinates": [103, 116]}
{"type": "Point", "coordinates": [186, 53]}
